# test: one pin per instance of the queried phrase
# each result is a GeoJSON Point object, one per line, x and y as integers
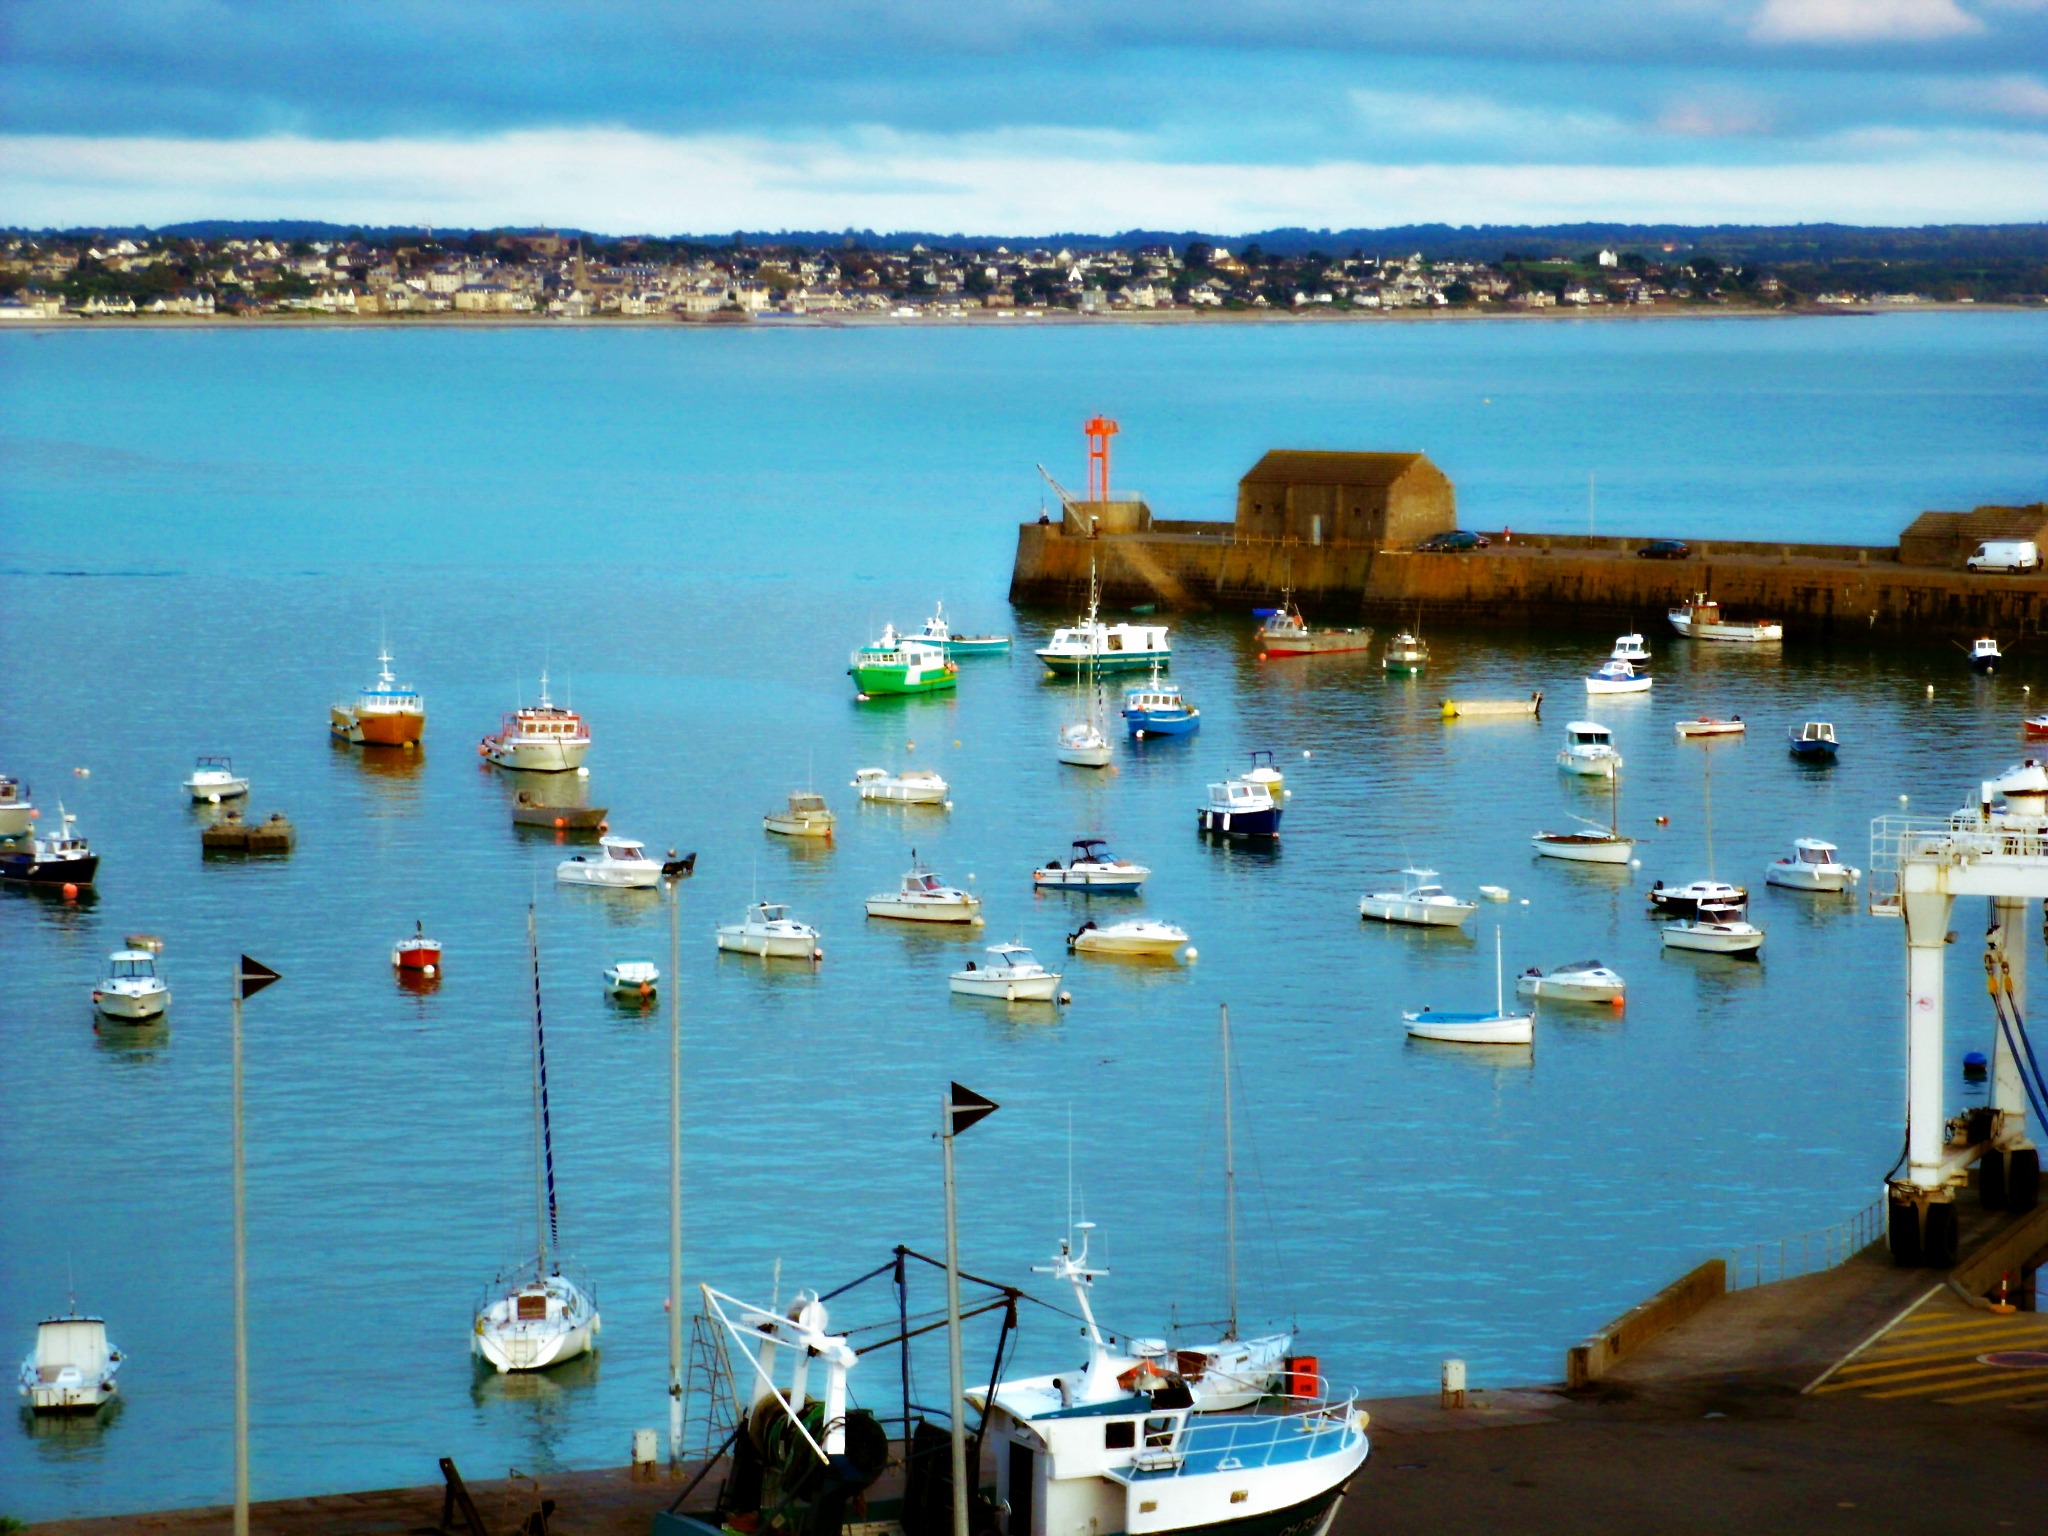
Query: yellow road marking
{"type": "Point", "coordinates": [1981, 1375]}
{"type": "Point", "coordinates": [1960, 1325]}
{"type": "Point", "coordinates": [2039, 1386]}
{"type": "Point", "coordinates": [1878, 1381]}
{"type": "Point", "coordinates": [1934, 1349]}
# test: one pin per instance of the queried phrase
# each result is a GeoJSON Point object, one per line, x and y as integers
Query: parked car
{"type": "Point", "coordinates": [2006, 555]}
{"type": "Point", "coordinates": [1456, 542]}
{"type": "Point", "coordinates": [1666, 549]}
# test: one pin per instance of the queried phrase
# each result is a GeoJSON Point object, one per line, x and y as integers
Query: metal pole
{"type": "Point", "coordinates": [675, 1179]}
{"type": "Point", "coordinates": [1229, 1185]}
{"type": "Point", "coordinates": [955, 1407]}
{"type": "Point", "coordinates": [241, 1283]}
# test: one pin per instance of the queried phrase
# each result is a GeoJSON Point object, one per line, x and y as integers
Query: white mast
{"type": "Point", "coordinates": [1229, 1186]}
{"type": "Point", "coordinates": [675, 1180]}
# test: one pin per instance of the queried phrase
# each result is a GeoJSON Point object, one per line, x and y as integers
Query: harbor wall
{"type": "Point", "coordinates": [1532, 582]}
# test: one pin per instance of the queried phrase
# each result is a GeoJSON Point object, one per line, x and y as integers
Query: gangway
{"type": "Point", "coordinates": [1920, 865]}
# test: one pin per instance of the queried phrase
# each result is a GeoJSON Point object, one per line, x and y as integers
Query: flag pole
{"type": "Point", "coordinates": [241, 1283]}
{"type": "Point", "coordinates": [675, 1180]}
{"type": "Point", "coordinates": [956, 1408]}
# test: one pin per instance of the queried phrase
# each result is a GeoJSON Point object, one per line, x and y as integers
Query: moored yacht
{"type": "Point", "coordinates": [1012, 973]}
{"type": "Point", "coordinates": [1616, 676]}
{"type": "Point", "coordinates": [1716, 929]}
{"type": "Point", "coordinates": [214, 779]}
{"type": "Point", "coordinates": [1812, 866]}
{"type": "Point", "coordinates": [1629, 648]}
{"type": "Point", "coordinates": [387, 713]}
{"type": "Point", "coordinates": [1405, 653]}
{"type": "Point", "coordinates": [1813, 741]}
{"type": "Point", "coordinates": [543, 738]}
{"type": "Point", "coordinates": [1420, 901]}
{"type": "Point", "coordinates": [131, 991]}
{"type": "Point", "coordinates": [1583, 981]}
{"type": "Point", "coordinates": [924, 898]}
{"type": "Point", "coordinates": [1589, 751]}
{"type": "Point", "coordinates": [1464, 1027]}
{"type": "Point", "coordinates": [72, 1368]}
{"type": "Point", "coordinates": [913, 786]}
{"type": "Point", "coordinates": [770, 932]}
{"type": "Point", "coordinates": [1133, 936]}
{"type": "Point", "coordinates": [1093, 868]}
{"type": "Point", "coordinates": [621, 863]}
{"type": "Point", "coordinates": [806, 815]}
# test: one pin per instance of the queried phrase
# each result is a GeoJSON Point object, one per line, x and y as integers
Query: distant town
{"type": "Point", "coordinates": [48, 277]}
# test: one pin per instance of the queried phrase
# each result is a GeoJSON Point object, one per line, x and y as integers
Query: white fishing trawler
{"type": "Point", "coordinates": [542, 738]}
{"type": "Point", "coordinates": [924, 898]}
{"type": "Point", "coordinates": [1104, 647]}
{"type": "Point", "coordinates": [1700, 618]}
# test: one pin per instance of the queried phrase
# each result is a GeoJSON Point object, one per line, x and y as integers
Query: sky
{"type": "Point", "coordinates": [1022, 116]}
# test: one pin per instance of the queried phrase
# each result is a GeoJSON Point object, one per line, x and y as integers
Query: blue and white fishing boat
{"type": "Point", "coordinates": [1093, 869]}
{"type": "Point", "coordinates": [1814, 742]}
{"type": "Point", "coordinates": [1242, 808]}
{"type": "Point", "coordinates": [1157, 709]}
{"type": "Point", "coordinates": [938, 630]}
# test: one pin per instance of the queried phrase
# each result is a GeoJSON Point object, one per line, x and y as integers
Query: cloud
{"type": "Point", "coordinates": [1714, 119]}
{"type": "Point", "coordinates": [1022, 183]}
{"type": "Point", "coordinates": [1861, 21]}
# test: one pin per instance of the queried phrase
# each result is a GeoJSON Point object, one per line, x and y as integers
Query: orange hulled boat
{"type": "Point", "coordinates": [385, 714]}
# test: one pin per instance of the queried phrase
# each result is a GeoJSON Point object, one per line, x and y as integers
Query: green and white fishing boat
{"type": "Point", "coordinates": [894, 664]}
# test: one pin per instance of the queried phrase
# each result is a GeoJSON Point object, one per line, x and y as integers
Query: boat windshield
{"type": "Point", "coordinates": [1016, 959]}
{"type": "Point", "coordinates": [134, 970]}
{"type": "Point", "coordinates": [1817, 853]}
{"type": "Point", "coordinates": [773, 912]}
{"type": "Point", "coordinates": [622, 850]}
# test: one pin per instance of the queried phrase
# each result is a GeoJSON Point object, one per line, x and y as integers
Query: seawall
{"type": "Point", "coordinates": [1542, 581]}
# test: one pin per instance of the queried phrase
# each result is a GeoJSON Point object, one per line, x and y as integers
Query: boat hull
{"type": "Point", "coordinates": [1096, 942]}
{"type": "Point", "coordinates": [388, 728]}
{"type": "Point", "coordinates": [1705, 727]}
{"type": "Point", "coordinates": [771, 946]}
{"type": "Point", "coordinates": [1015, 989]}
{"type": "Point", "coordinates": [1419, 914]}
{"type": "Point", "coordinates": [132, 1007]}
{"type": "Point", "coordinates": [1264, 823]}
{"type": "Point", "coordinates": [1102, 882]}
{"type": "Point", "coordinates": [1318, 642]}
{"type": "Point", "coordinates": [74, 1397]}
{"type": "Point", "coordinates": [415, 956]}
{"type": "Point", "coordinates": [1828, 879]}
{"type": "Point", "coordinates": [1472, 1029]}
{"type": "Point", "coordinates": [1712, 941]}
{"type": "Point", "coordinates": [1743, 634]}
{"type": "Point", "coordinates": [1590, 767]}
{"type": "Point", "coordinates": [1142, 723]}
{"type": "Point", "coordinates": [1814, 751]}
{"type": "Point", "coordinates": [977, 645]}
{"type": "Point", "coordinates": [593, 873]}
{"type": "Point", "coordinates": [535, 757]}
{"type": "Point", "coordinates": [1552, 989]}
{"type": "Point", "coordinates": [1274, 1484]}
{"type": "Point", "coordinates": [967, 911]}
{"type": "Point", "coordinates": [26, 869]}
{"type": "Point", "coordinates": [215, 792]}
{"type": "Point", "coordinates": [1091, 755]}
{"type": "Point", "coordinates": [797, 826]}
{"type": "Point", "coordinates": [875, 681]}
{"type": "Point", "coordinates": [1067, 663]}
{"type": "Point", "coordinates": [1674, 901]}
{"type": "Point", "coordinates": [1623, 685]}
{"type": "Point", "coordinates": [536, 1351]}
{"type": "Point", "coordinates": [1583, 849]}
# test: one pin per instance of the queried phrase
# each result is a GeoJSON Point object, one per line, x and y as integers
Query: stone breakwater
{"type": "Point", "coordinates": [1533, 582]}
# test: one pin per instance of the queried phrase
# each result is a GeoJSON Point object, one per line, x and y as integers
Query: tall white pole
{"type": "Point", "coordinates": [675, 1180]}
{"type": "Point", "coordinates": [241, 1283]}
{"type": "Point", "coordinates": [1926, 914]}
{"type": "Point", "coordinates": [956, 1407]}
{"type": "Point", "coordinates": [1229, 1185]}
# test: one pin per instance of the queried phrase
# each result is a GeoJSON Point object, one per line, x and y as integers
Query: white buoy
{"type": "Point", "coordinates": [1902, 799]}
{"type": "Point", "coordinates": [83, 773]}
{"type": "Point", "coordinates": [428, 970]}
{"type": "Point", "coordinates": [1066, 997]}
{"type": "Point", "coordinates": [1306, 753]}
{"type": "Point", "coordinates": [949, 805]}
{"type": "Point", "coordinates": [1635, 863]}
{"type": "Point", "coordinates": [1194, 953]}
{"type": "Point", "coordinates": [582, 773]}
{"type": "Point", "coordinates": [1930, 690]}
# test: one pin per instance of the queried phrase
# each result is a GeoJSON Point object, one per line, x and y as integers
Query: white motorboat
{"type": "Point", "coordinates": [1406, 652]}
{"type": "Point", "coordinates": [1589, 751]}
{"type": "Point", "coordinates": [1629, 648]}
{"type": "Point", "coordinates": [632, 978]}
{"type": "Point", "coordinates": [807, 815]}
{"type": "Point", "coordinates": [1583, 981]}
{"type": "Point", "coordinates": [621, 864]}
{"type": "Point", "coordinates": [1616, 676]}
{"type": "Point", "coordinates": [72, 1367]}
{"type": "Point", "coordinates": [1594, 845]}
{"type": "Point", "coordinates": [131, 991]}
{"type": "Point", "coordinates": [1457, 1027]}
{"type": "Point", "coordinates": [913, 786]}
{"type": "Point", "coordinates": [770, 932]}
{"type": "Point", "coordinates": [1093, 868]}
{"type": "Point", "coordinates": [923, 898]}
{"type": "Point", "coordinates": [534, 1315]}
{"type": "Point", "coordinates": [214, 779]}
{"type": "Point", "coordinates": [540, 739]}
{"type": "Point", "coordinates": [1985, 654]}
{"type": "Point", "coordinates": [17, 810]}
{"type": "Point", "coordinates": [1419, 901]}
{"type": "Point", "coordinates": [1012, 973]}
{"type": "Point", "coordinates": [1812, 867]}
{"type": "Point", "coordinates": [1700, 618]}
{"type": "Point", "coordinates": [1134, 936]}
{"type": "Point", "coordinates": [1715, 929]}
{"type": "Point", "coordinates": [1709, 725]}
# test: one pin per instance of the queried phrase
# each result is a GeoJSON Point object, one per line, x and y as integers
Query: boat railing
{"type": "Point", "coordinates": [1232, 1441]}
{"type": "Point", "coordinates": [1962, 837]}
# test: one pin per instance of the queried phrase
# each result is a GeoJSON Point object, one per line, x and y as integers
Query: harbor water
{"type": "Point", "coordinates": [204, 534]}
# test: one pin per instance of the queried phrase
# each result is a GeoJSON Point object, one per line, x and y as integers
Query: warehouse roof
{"type": "Point", "coordinates": [1296, 466]}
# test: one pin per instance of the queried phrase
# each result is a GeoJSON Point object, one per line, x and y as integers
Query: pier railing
{"type": "Point", "coordinates": [1805, 1253]}
{"type": "Point", "coordinates": [1963, 836]}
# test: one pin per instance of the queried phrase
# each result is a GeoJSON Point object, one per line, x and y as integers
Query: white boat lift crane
{"type": "Point", "coordinates": [1998, 849]}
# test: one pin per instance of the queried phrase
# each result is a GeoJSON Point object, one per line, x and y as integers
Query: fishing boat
{"type": "Point", "coordinates": [17, 810]}
{"type": "Point", "coordinates": [1456, 1027]}
{"type": "Point", "coordinates": [417, 953]}
{"type": "Point", "coordinates": [528, 810]}
{"type": "Point", "coordinates": [1420, 901]}
{"type": "Point", "coordinates": [806, 815]}
{"type": "Point", "coordinates": [1094, 869]}
{"type": "Point", "coordinates": [62, 858]}
{"type": "Point", "coordinates": [1133, 936]}
{"type": "Point", "coordinates": [385, 714]}
{"type": "Point", "coordinates": [131, 991]}
{"type": "Point", "coordinates": [1589, 751]}
{"type": "Point", "coordinates": [1485, 709]}
{"type": "Point", "coordinates": [1596, 844]}
{"type": "Point", "coordinates": [1012, 973]}
{"type": "Point", "coordinates": [1813, 742]}
{"type": "Point", "coordinates": [1287, 633]}
{"type": "Point", "coordinates": [938, 631]}
{"type": "Point", "coordinates": [1616, 676]}
{"type": "Point", "coordinates": [1812, 867]}
{"type": "Point", "coordinates": [535, 1315]}
{"type": "Point", "coordinates": [1985, 654]}
{"type": "Point", "coordinates": [1700, 618]}
{"type": "Point", "coordinates": [72, 1367]}
{"type": "Point", "coordinates": [1239, 808]}
{"type": "Point", "coordinates": [1405, 653]}
{"type": "Point", "coordinates": [767, 930]}
{"type": "Point", "coordinates": [913, 786]}
{"type": "Point", "coordinates": [923, 898]}
{"type": "Point", "coordinates": [1709, 725]}
{"type": "Point", "coordinates": [1715, 929]}
{"type": "Point", "coordinates": [620, 864]}
{"type": "Point", "coordinates": [632, 978]}
{"type": "Point", "coordinates": [1104, 647]}
{"type": "Point", "coordinates": [1157, 709]}
{"type": "Point", "coordinates": [1583, 981]}
{"type": "Point", "coordinates": [893, 664]}
{"type": "Point", "coordinates": [214, 779]}
{"type": "Point", "coordinates": [1629, 648]}
{"type": "Point", "coordinates": [540, 739]}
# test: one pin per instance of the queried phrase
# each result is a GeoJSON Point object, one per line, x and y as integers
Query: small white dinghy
{"type": "Point", "coordinates": [72, 1367]}
{"type": "Point", "coordinates": [215, 780]}
{"type": "Point", "coordinates": [1715, 930]}
{"type": "Point", "coordinates": [1134, 936]}
{"type": "Point", "coordinates": [1589, 751]}
{"type": "Point", "coordinates": [1583, 981]}
{"type": "Point", "coordinates": [923, 898]}
{"type": "Point", "coordinates": [1012, 973]}
{"type": "Point", "coordinates": [621, 865]}
{"type": "Point", "coordinates": [1709, 725]}
{"type": "Point", "coordinates": [632, 978]}
{"type": "Point", "coordinates": [1812, 867]}
{"type": "Point", "coordinates": [131, 991]}
{"type": "Point", "coordinates": [1419, 901]}
{"type": "Point", "coordinates": [1459, 1028]}
{"type": "Point", "coordinates": [770, 932]}
{"type": "Point", "coordinates": [913, 786]}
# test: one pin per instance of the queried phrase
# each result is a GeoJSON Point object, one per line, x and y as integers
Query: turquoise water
{"type": "Point", "coordinates": [202, 534]}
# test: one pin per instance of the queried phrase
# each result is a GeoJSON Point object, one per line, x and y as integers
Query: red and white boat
{"type": "Point", "coordinates": [385, 714]}
{"type": "Point", "coordinates": [543, 738]}
{"type": "Point", "coordinates": [418, 953]}
{"type": "Point", "coordinates": [2035, 727]}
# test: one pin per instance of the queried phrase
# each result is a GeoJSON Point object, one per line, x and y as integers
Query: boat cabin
{"type": "Point", "coordinates": [131, 965]}
{"type": "Point", "coordinates": [807, 805]}
{"type": "Point", "coordinates": [1238, 795]}
{"type": "Point", "coordinates": [1016, 958]}
{"type": "Point", "coordinates": [1811, 850]}
{"type": "Point", "coordinates": [623, 850]}
{"type": "Point", "coordinates": [1585, 735]}
{"type": "Point", "coordinates": [1719, 912]}
{"type": "Point", "coordinates": [1817, 731]}
{"type": "Point", "coordinates": [1630, 648]}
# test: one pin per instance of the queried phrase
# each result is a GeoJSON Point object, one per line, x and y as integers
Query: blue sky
{"type": "Point", "coordinates": [1022, 116]}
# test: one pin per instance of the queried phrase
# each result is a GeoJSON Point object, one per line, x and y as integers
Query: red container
{"type": "Point", "coordinates": [1302, 1374]}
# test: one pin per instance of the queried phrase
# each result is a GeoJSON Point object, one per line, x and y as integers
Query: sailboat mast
{"type": "Point", "coordinates": [546, 1235]}
{"type": "Point", "coordinates": [1229, 1187]}
{"type": "Point", "coordinates": [1500, 996]}
{"type": "Point", "coordinates": [1709, 755]}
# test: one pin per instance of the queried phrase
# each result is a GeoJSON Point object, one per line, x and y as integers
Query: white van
{"type": "Point", "coordinates": [2006, 555]}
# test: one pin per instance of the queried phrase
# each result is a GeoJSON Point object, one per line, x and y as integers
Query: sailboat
{"type": "Point", "coordinates": [1686, 900]}
{"type": "Point", "coordinates": [1716, 923]}
{"type": "Point", "coordinates": [534, 1316]}
{"type": "Point", "coordinates": [1085, 743]}
{"type": "Point", "coordinates": [1459, 1028]}
{"type": "Point", "coordinates": [1597, 846]}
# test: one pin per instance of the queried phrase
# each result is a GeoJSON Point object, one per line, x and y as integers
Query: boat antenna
{"type": "Point", "coordinates": [1229, 1186]}
{"type": "Point", "coordinates": [547, 1232]}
